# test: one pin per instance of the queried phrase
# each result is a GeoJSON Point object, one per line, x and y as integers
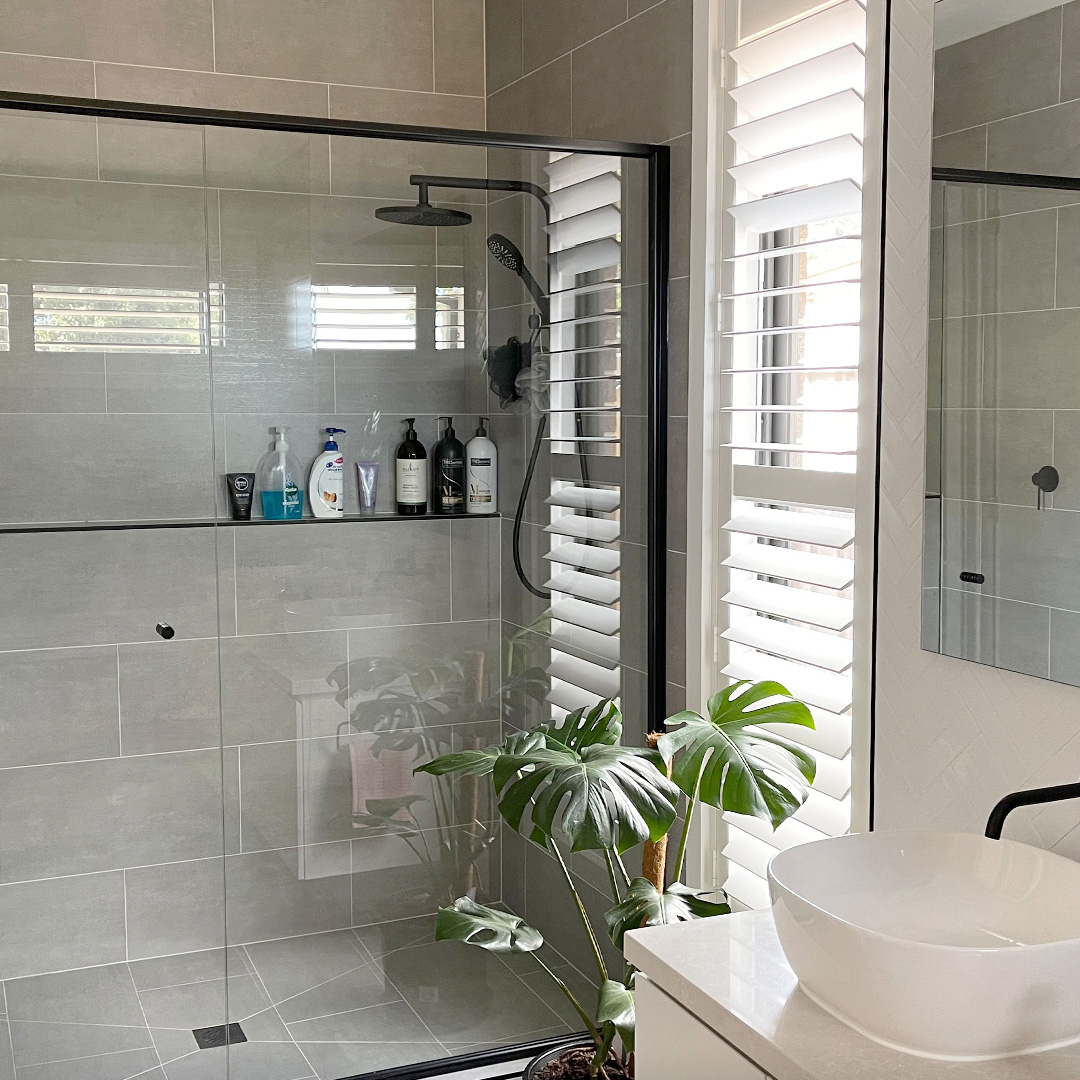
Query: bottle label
{"type": "Point", "coordinates": [331, 485]}
{"type": "Point", "coordinates": [480, 462]}
{"type": "Point", "coordinates": [412, 482]}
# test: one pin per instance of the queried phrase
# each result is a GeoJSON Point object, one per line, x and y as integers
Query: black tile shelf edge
{"type": "Point", "coordinates": [210, 523]}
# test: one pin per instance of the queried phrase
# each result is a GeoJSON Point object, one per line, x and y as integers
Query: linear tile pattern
{"type": "Point", "coordinates": [324, 1006]}
{"type": "Point", "coordinates": [412, 62]}
{"type": "Point", "coordinates": [952, 737]}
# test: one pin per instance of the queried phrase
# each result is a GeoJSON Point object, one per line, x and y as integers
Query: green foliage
{"type": "Point", "coordinates": [644, 905]}
{"type": "Point", "coordinates": [615, 1006]}
{"type": "Point", "coordinates": [730, 762]}
{"type": "Point", "coordinates": [491, 929]}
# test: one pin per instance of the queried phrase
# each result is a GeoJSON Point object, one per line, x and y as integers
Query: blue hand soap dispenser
{"type": "Point", "coordinates": [280, 480]}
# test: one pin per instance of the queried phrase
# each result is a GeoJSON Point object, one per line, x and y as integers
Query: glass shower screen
{"type": "Point", "coordinates": [215, 856]}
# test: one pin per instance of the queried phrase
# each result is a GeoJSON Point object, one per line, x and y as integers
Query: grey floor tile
{"type": "Point", "coordinates": [173, 1043]}
{"type": "Point", "coordinates": [359, 989]}
{"type": "Point", "coordinates": [293, 965]}
{"type": "Point", "coordinates": [203, 1004]}
{"type": "Point", "coordinates": [103, 995]}
{"type": "Point", "coordinates": [266, 1026]}
{"type": "Point", "coordinates": [393, 1022]}
{"type": "Point", "coordinates": [188, 968]}
{"type": "Point", "coordinates": [141, 1063]}
{"type": "Point", "coordinates": [38, 1043]}
{"type": "Point", "coordinates": [497, 1005]}
{"type": "Point", "coordinates": [7, 1065]}
{"type": "Point", "coordinates": [383, 938]}
{"type": "Point", "coordinates": [334, 1060]}
{"type": "Point", "coordinates": [244, 1061]}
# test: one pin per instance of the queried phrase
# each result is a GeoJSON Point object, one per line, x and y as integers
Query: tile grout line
{"type": "Point", "coordinates": [135, 989]}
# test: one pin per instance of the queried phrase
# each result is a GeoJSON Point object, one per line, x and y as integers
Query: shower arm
{"type": "Point", "coordinates": [480, 183]}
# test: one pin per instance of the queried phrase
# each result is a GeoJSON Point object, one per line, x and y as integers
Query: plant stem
{"type": "Point", "coordinates": [596, 1067]}
{"type": "Point", "coordinates": [612, 879]}
{"type": "Point", "coordinates": [578, 1008]}
{"type": "Point", "coordinates": [599, 956]}
{"type": "Point", "coordinates": [681, 856]}
{"type": "Point", "coordinates": [622, 869]}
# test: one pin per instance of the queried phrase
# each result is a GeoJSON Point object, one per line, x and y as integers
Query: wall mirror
{"type": "Point", "coordinates": [1002, 544]}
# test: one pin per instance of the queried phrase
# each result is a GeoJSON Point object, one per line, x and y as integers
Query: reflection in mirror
{"type": "Point", "coordinates": [1002, 539]}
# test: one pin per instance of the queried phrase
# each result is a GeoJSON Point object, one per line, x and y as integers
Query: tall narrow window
{"type": "Point", "coordinates": [790, 311]}
{"type": "Point", "coordinates": [5, 332]}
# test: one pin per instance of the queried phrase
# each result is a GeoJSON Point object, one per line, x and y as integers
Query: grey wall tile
{"type": "Point", "coordinates": [152, 383]}
{"type": "Point", "coordinates": [1067, 460]}
{"type": "Point", "coordinates": [1035, 142]}
{"type": "Point", "coordinates": [1000, 264]}
{"type": "Point", "coordinates": [169, 696]}
{"type": "Point", "coordinates": [406, 107]}
{"type": "Point", "coordinates": [135, 152]}
{"type": "Point", "coordinates": [293, 787]}
{"type": "Point", "coordinates": [1027, 360]}
{"type": "Point", "coordinates": [990, 454]}
{"type": "Point", "coordinates": [1070, 52]}
{"type": "Point", "coordinates": [51, 145]}
{"type": "Point", "coordinates": [1002, 633]}
{"type": "Point", "coordinates": [520, 606]}
{"type": "Point", "coordinates": [676, 616]}
{"type": "Point", "coordinates": [1010, 70]}
{"type": "Point", "coordinates": [364, 574]}
{"type": "Point", "coordinates": [961, 149]}
{"type": "Point", "coordinates": [1068, 257]}
{"type": "Point", "coordinates": [97, 588]}
{"type": "Point", "coordinates": [962, 362]}
{"type": "Point", "coordinates": [1026, 555]}
{"type": "Point", "coordinates": [427, 382]}
{"type": "Point", "coordinates": [538, 104]}
{"type": "Point", "coordinates": [50, 382]}
{"type": "Point", "coordinates": [177, 908]}
{"type": "Point", "coordinates": [46, 75]}
{"type": "Point", "coordinates": [104, 815]}
{"type": "Point", "coordinates": [459, 46]}
{"type": "Point", "coordinates": [554, 27]}
{"type": "Point", "coordinates": [72, 221]}
{"type": "Point", "coordinates": [269, 899]}
{"type": "Point", "coordinates": [102, 995]}
{"type": "Point", "coordinates": [277, 686]}
{"type": "Point", "coordinates": [267, 160]}
{"type": "Point", "coordinates": [503, 37]}
{"type": "Point", "coordinates": [653, 47]}
{"type": "Point", "coordinates": [159, 33]}
{"type": "Point", "coordinates": [475, 549]}
{"type": "Point", "coordinates": [109, 460]}
{"type": "Point", "coordinates": [1065, 647]}
{"type": "Point", "coordinates": [210, 90]}
{"type": "Point", "coordinates": [60, 706]}
{"type": "Point", "coordinates": [62, 923]}
{"type": "Point", "coordinates": [381, 169]}
{"type": "Point", "coordinates": [318, 41]}
{"type": "Point", "coordinates": [678, 346]}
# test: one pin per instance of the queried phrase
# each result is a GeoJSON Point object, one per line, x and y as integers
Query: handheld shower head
{"type": "Point", "coordinates": [506, 251]}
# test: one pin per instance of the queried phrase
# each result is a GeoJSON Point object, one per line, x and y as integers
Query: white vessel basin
{"type": "Point", "coordinates": [947, 945]}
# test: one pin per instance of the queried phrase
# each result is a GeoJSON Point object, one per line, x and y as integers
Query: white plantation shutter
{"type": "Point", "coordinates": [790, 312]}
{"type": "Point", "coordinates": [585, 358]}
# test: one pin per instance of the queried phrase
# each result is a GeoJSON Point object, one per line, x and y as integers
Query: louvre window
{"type": "Point", "coordinates": [790, 341]}
{"type": "Point", "coordinates": [363, 316]}
{"type": "Point", "coordinates": [92, 318]}
{"type": "Point", "coordinates": [450, 317]}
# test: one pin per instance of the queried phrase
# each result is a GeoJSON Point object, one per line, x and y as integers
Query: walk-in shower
{"type": "Point", "coordinates": [215, 859]}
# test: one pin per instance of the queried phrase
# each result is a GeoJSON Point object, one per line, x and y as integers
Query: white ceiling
{"type": "Point", "coordinates": [957, 20]}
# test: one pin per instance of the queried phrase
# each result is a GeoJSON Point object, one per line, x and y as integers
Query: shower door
{"type": "Point", "coordinates": [216, 859]}
{"type": "Point", "coordinates": [112, 844]}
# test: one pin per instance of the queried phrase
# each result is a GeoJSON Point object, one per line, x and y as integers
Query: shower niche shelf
{"type": "Point", "coordinates": [210, 523]}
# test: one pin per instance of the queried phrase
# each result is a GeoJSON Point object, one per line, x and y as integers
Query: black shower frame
{"type": "Point", "coordinates": [658, 159]}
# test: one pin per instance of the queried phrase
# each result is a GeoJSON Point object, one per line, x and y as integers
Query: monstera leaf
{"type": "Point", "coordinates": [616, 1006]}
{"type": "Point", "coordinates": [482, 762]}
{"type": "Point", "coordinates": [491, 929]}
{"type": "Point", "coordinates": [581, 783]}
{"type": "Point", "coordinates": [645, 905]}
{"type": "Point", "coordinates": [740, 767]}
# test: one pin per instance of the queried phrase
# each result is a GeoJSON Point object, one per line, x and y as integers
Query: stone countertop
{"type": "Point", "coordinates": [731, 973]}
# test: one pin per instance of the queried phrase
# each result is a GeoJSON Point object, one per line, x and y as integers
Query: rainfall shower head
{"type": "Point", "coordinates": [423, 213]}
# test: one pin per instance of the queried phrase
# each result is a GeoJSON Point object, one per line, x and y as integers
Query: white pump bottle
{"type": "Point", "coordinates": [482, 472]}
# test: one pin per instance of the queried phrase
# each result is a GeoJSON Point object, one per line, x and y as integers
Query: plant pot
{"type": "Point", "coordinates": [538, 1064]}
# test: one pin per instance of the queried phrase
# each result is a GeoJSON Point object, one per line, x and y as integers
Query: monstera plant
{"type": "Point", "coordinates": [572, 786]}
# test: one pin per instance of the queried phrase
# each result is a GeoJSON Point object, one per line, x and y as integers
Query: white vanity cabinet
{"type": "Point", "coordinates": [672, 1044]}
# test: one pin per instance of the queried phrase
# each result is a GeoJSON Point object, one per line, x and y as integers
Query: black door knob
{"type": "Point", "coordinates": [165, 630]}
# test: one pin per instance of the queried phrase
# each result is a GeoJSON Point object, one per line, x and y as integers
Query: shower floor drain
{"type": "Point", "coordinates": [218, 1036]}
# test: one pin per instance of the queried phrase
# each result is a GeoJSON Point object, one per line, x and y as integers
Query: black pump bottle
{"type": "Point", "coordinates": [411, 473]}
{"type": "Point", "coordinates": [448, 472]}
